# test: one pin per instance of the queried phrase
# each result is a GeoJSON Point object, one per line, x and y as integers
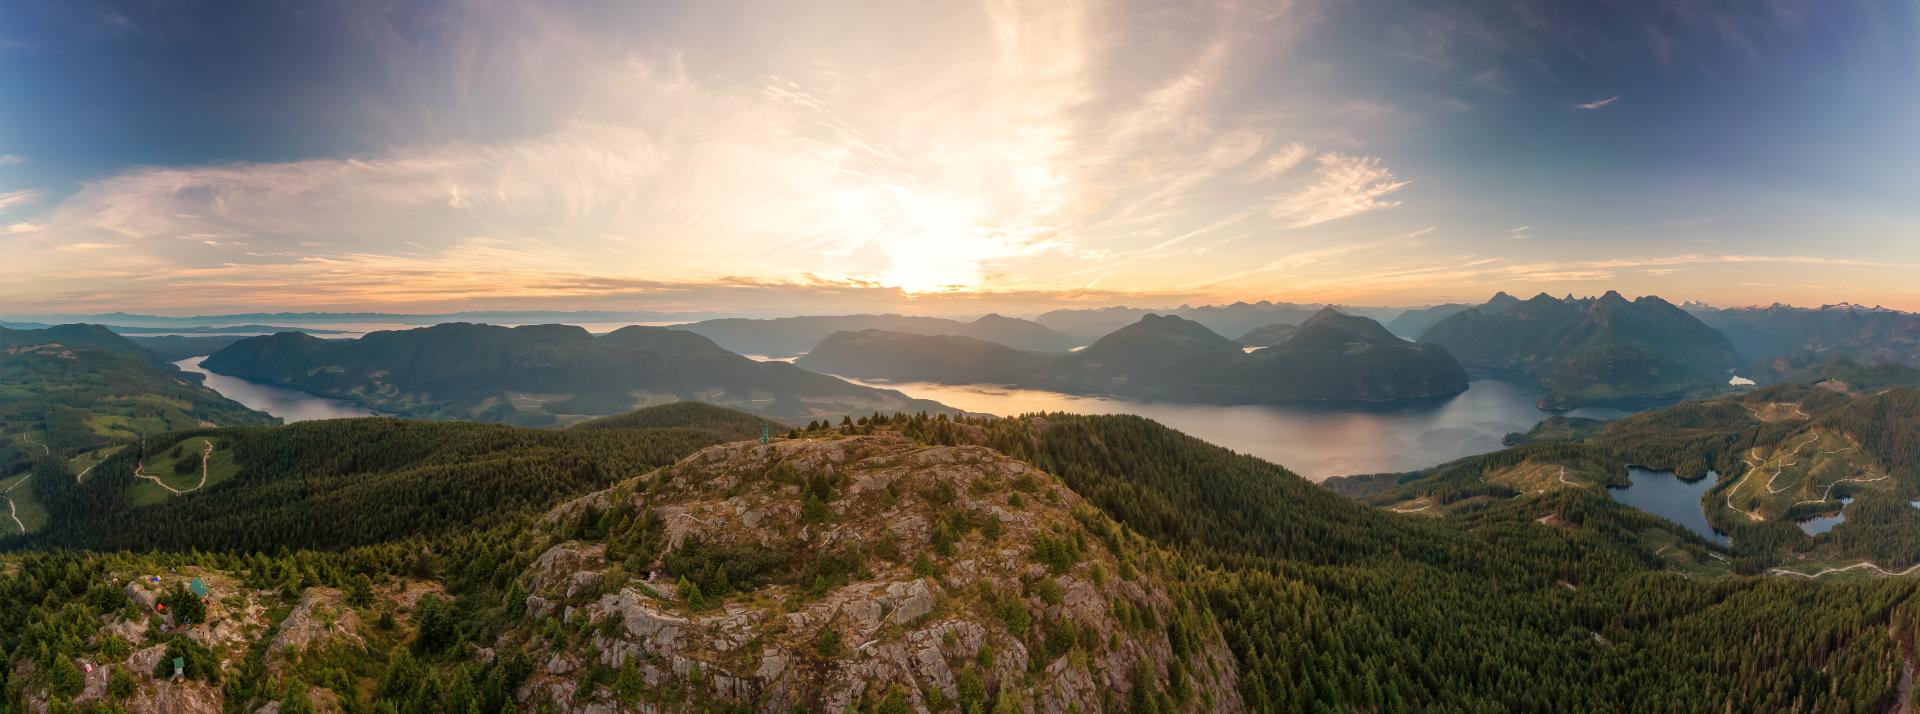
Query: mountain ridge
{"type": "Point", "coordinates": [543, 374]}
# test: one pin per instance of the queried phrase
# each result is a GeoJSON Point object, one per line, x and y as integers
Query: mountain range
{"type": "Point", "coordinates": [1591, 350]}
{"type": "Point", "coordinates": [1776, 340]}
{"type": "Point", "coordinates": [1089, 324]}
{"type": "Point", "coordinates": [544, 374]}
{"type": "Point", "coordinates": [789, 336]}
{"type": "Point", "coordinates": [1415, 322]}
{"type": "Point", "coordinates": [1330, 357]}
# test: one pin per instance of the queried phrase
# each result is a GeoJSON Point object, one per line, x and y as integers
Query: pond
{"type": "Point", "coordinates": [1821, 524]}
{"type": "Point", "coordinates": [1665, 494]}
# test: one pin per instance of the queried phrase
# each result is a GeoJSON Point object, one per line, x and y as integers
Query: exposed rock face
{"type": "Point", "coordinates": [853, 570]}
{"type": "Point", "coordinates": [321, 619]}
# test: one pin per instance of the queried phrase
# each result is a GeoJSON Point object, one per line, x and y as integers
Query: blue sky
{"type": "Point", "coordinates": [952, 156]}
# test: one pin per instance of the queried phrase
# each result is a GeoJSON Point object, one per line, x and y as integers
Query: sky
{"type": "Point", "coordinates": [185, 157]}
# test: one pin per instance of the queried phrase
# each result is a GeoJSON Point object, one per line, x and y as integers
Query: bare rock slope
{"type": "Point", "coordinates": [843, 573]}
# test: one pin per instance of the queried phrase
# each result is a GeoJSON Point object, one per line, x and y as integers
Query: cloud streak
{"type": "Point", "coordinates": [9, 199]}
{"type": "Point", "coordinates": [1590, 106]}
{"type": "Point", "coordinates": [1340, 186]}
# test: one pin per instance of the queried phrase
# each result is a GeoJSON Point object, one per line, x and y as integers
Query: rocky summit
{"type": "Point", "coordinates": [827, 574]}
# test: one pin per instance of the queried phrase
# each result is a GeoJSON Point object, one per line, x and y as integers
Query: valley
{"type": "Point", "coordinates": [959, 357]}
{"type": "Point", "coordinates": [1076, 551]}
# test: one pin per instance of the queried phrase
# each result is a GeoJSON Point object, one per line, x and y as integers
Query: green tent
{"type": "Point", "coordinates": [179, 666]}
{"type": "Point", "coordinates": [199, 588]}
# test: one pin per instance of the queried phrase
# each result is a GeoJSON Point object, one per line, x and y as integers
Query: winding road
{"type": "Point", "coordinates": [11, 511]}
{"type": "Point", "coordinates": [1753, 468]}
{"type": "Point", "coordinates": [140, 472]}
{"type": "Point", "coordinates": [103, 459]}
{"type": "Point", "coordinates": [14, 515]}
{"type": "Point", "coordinates": [1862, 565]}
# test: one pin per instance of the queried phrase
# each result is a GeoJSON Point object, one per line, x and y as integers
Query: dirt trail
{"type": "Point", "coordinates": [1753, 468]}
{"type": "Point", "coordinates": [1862, 565]}
{"type": "Point", "coordinates": [103, 459]}
{"type": "Point", "coordinates": [11, 513]}
{"type": "Point", "coordinates": [139, 471]}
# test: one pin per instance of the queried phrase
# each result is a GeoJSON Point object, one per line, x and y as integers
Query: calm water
{"type": "Point", "coordinates": [1314, 441]}
{"type": "Point", "coordinates": [1821, 524]}
{"type": "Point", "coordinates": [1663, 494]}
{"type": "Point", "coordinates": [288, 404]}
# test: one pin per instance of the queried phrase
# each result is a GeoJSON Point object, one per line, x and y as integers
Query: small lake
{"type": "Point", "coordinates": [1664, 494]}
{"type": "Point", "coordinates": [1821, 524]}
{"type": "Point", "coordinates": [288, 404]}
{"type": "Point", "coordinates": [1315, 441]}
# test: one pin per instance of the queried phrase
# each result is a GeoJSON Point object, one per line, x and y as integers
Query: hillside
{"type": "Point", "coordinates": [1415, 322]}
{"type": "Point", "coordinates": [1331, 357]}
{"type": "Point", "coordinates": [1593, 350]}
{"type": "Point", "coordinates": [721, 423]}
{"type": "Point", "coordinates": [931, 575]}
{"type": "Point", "coordinates": [836, 571]}
{"type": "Point", "coordinates": [173, 348]}
{"type": "Point", "coordinates": [1776, 340]}
{"type": "Point", "coordinates": [544, 374]}
{"type": "Point", "coordinates": [898, 356]}
{"type": "Point", "coordinates": [1774, 456]}
{"type": "Point", "coordinates": [1089, 324]}
{"type": "Point", "coordinates": [1133, 569]}
{"type": "Point", "coordinates": [788, 336]}
{"type": "Point", "coordinates": [354, 482]}
{"type": "Point", "coordinates": [77, 387]}
{"type": "Point", "coordinates": [1267, 336]}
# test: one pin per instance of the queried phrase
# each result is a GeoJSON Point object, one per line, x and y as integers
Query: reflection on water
{"type": "Point", "coordinates": [1821, 524]}
{"type": "Point", "coordinates": [352, 330]}
{"type": "Point", "coordinates": [1664, 494]}
{"type": "Point", "coordinates": [288, 404]}
{"type": "Point", "coordinates": [1314, 441]}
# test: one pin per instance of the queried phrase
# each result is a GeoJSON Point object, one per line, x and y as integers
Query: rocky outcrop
{"type": "Point", "coordinates": [855, 569]}
{"type": "Point", "coordinates": [321, 619]}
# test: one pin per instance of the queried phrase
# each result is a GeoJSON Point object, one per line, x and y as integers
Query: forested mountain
{"type": "Point", "coordinates": [1089, 324]}
{"type": "Point", "coordinates": [1414, 323]}
{"type": "Point", "coordinates": [543, 374]}
{"type": "Point", "coordinates": [173, 348]}
{"type": "Point", "coordinates": [1267, 336]}
{"type": "Point", "coordinates": [1777, 340]}
{"type": "Point", "coordinates": [1331, 357]}
{"type": "Point", "coordinates": [77, 387]}
{"type": "Point", "coordinates": [350, 482]}
{"type": "Point", "coordinates": [1591, 350]}
{"type": "Point", "coordinates": [788, 336]}
{"type": "Point", "coordinates": [899, 356]}
{"type": "Point", "coordinates": [1046, 561]}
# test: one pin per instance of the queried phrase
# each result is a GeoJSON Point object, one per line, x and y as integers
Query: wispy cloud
{"type": "Point", "coordinates": [1340, 186]}
{"type": "Point", "coordinates": [12, 159]}
{"type": "Point", "coordinates": [1520, 233]}
{"type": "Point", "coordinates": [1281, 161]}
{"type": "Point", "coordinates": [1589, 106]}
{"type": "Point", "coordinates": [9, 199]}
